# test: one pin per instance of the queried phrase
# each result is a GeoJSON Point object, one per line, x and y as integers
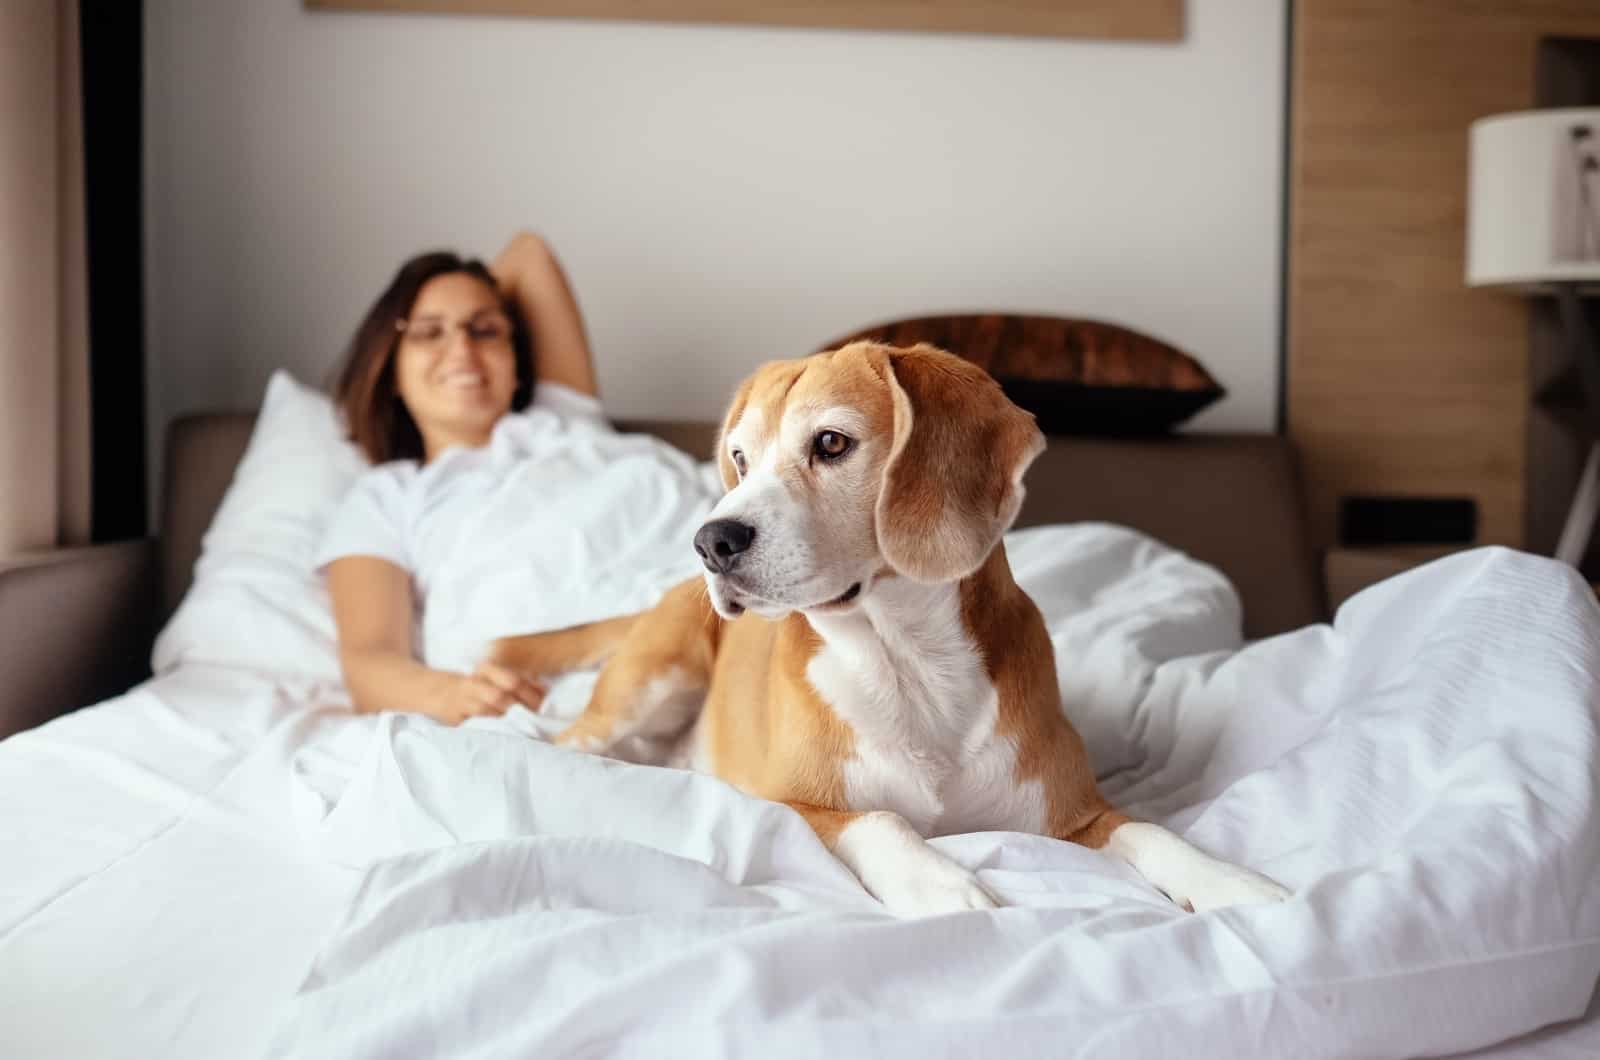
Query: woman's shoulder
{"type": "Point", "coordinates": [386, 482]}
{"type": "Point", "coordinates": [373, 518]}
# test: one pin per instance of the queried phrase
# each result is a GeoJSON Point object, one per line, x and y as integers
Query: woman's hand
{"type": "Point", "coordinates": [373, 607]}
{"type": "Point", "coordinates": [488, 691]}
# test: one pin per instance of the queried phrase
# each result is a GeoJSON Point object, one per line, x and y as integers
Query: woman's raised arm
{"type": "Point", "coordinates": [528, 270]}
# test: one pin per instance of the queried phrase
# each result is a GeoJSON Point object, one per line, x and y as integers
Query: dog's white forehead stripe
{"type": "Point", "coordinates": [746, 432]}
{"type": "Point", "coordinates": [810, 417]}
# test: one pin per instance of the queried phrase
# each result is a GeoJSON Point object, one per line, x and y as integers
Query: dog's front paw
{"type": "Point", "coordinates": [1227, 885]}
{"type": "Point", "coordinates": [948, 888]}
{"type": "Point", "coordinates": [1190, 877]}
{"type": "Point", "coordinates": [903, 872]}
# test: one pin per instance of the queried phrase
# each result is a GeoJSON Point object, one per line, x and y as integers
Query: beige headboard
{"type": "Point", "coordinates": [1230, 500]}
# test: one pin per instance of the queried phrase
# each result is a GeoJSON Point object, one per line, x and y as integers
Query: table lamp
{"type": "Point", "coordinates": [1533, 227]}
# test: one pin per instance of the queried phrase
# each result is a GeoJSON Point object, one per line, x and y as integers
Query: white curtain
{"type": "Point", "coordinates": [44, 415]}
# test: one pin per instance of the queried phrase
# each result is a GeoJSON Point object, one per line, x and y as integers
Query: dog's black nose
{"type": "Point", "coordinates": [720, 542]}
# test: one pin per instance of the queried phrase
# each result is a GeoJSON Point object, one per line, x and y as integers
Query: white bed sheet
{"type": "Point", "coordinates": [225, 863]}
{"type": "Point", "coordinates": [156, 896]}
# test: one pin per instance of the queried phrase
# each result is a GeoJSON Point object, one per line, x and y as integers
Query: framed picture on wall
{"type": "Point", "coordinates": [1149, 20]}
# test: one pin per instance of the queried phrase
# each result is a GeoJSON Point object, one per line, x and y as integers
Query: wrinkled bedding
{"type": "Point", "coordinates": [226, 861]}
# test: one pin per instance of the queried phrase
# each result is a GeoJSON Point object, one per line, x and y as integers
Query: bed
{"type": "Point", "coordinates": [226, 861]}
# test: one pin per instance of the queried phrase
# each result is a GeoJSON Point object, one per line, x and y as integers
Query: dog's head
{"type": "Point", "coordinates": [850, 465]}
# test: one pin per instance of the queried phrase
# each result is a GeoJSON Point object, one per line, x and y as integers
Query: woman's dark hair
{"type": "Point", "coordinates": [365, 389]}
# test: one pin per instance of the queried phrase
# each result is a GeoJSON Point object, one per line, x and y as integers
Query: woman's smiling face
{"type": "Point", "coordinates": [456, 367]}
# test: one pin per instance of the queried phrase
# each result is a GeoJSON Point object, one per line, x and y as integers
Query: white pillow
{"type": "Point", "coordinates": [256, 599]}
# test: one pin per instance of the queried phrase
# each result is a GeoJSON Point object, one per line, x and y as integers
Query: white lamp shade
{"type": "Point", "coordinates": [1533, 199]}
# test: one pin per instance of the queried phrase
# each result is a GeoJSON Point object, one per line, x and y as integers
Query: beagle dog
{"type": "Point", "coordinates": [857, 648]}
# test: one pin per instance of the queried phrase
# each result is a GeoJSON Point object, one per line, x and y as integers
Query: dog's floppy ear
{"type": "Point", "coordinates": [730, 474]}
{"type": "Point", "coordinates": [953, 481]}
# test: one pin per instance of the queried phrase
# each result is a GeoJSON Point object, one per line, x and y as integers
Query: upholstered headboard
{"type": "Point", "coordinates": [1230, 500]}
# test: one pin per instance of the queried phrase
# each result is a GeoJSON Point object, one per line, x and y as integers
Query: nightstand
{"type": "Point", "coordinates": [1346, 571]}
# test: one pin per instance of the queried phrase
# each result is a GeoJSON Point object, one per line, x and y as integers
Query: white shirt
{"type": "Point", "coordinates": [559, 520]}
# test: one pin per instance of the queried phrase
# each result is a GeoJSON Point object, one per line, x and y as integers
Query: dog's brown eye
{"type": "Point", "coordinates": [738, 461]}
{"type": "Point", "coordinates": [830, 445]}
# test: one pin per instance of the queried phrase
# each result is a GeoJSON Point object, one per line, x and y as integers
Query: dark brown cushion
{"type": "Point", "coordinates": [1082, 377]}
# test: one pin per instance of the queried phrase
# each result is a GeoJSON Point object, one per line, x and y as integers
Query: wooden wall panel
{"type": "Point", "coordinates": [1400, 379]}
{"type": "Point", "coordinates": [1160, 20]}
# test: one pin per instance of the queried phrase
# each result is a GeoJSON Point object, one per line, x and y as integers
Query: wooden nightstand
{"type": "Point", "coordinates": [1346, 571]}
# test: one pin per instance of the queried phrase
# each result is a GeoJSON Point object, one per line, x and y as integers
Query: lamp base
{"type": "Point", "coordinates": [1575, 533]}
{"type": "Point", "coordinates": [1584, 355]}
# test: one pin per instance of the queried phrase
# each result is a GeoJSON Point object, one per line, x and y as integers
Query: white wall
{"type": "Point", "coordinates": [719, 195]}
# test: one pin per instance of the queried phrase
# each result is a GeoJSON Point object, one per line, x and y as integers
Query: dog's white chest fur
{"type": "Point", "coordinates": [904, 673]}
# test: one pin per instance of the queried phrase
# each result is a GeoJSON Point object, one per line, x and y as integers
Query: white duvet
{"type": "Point", "coordinates": [226, 862]}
